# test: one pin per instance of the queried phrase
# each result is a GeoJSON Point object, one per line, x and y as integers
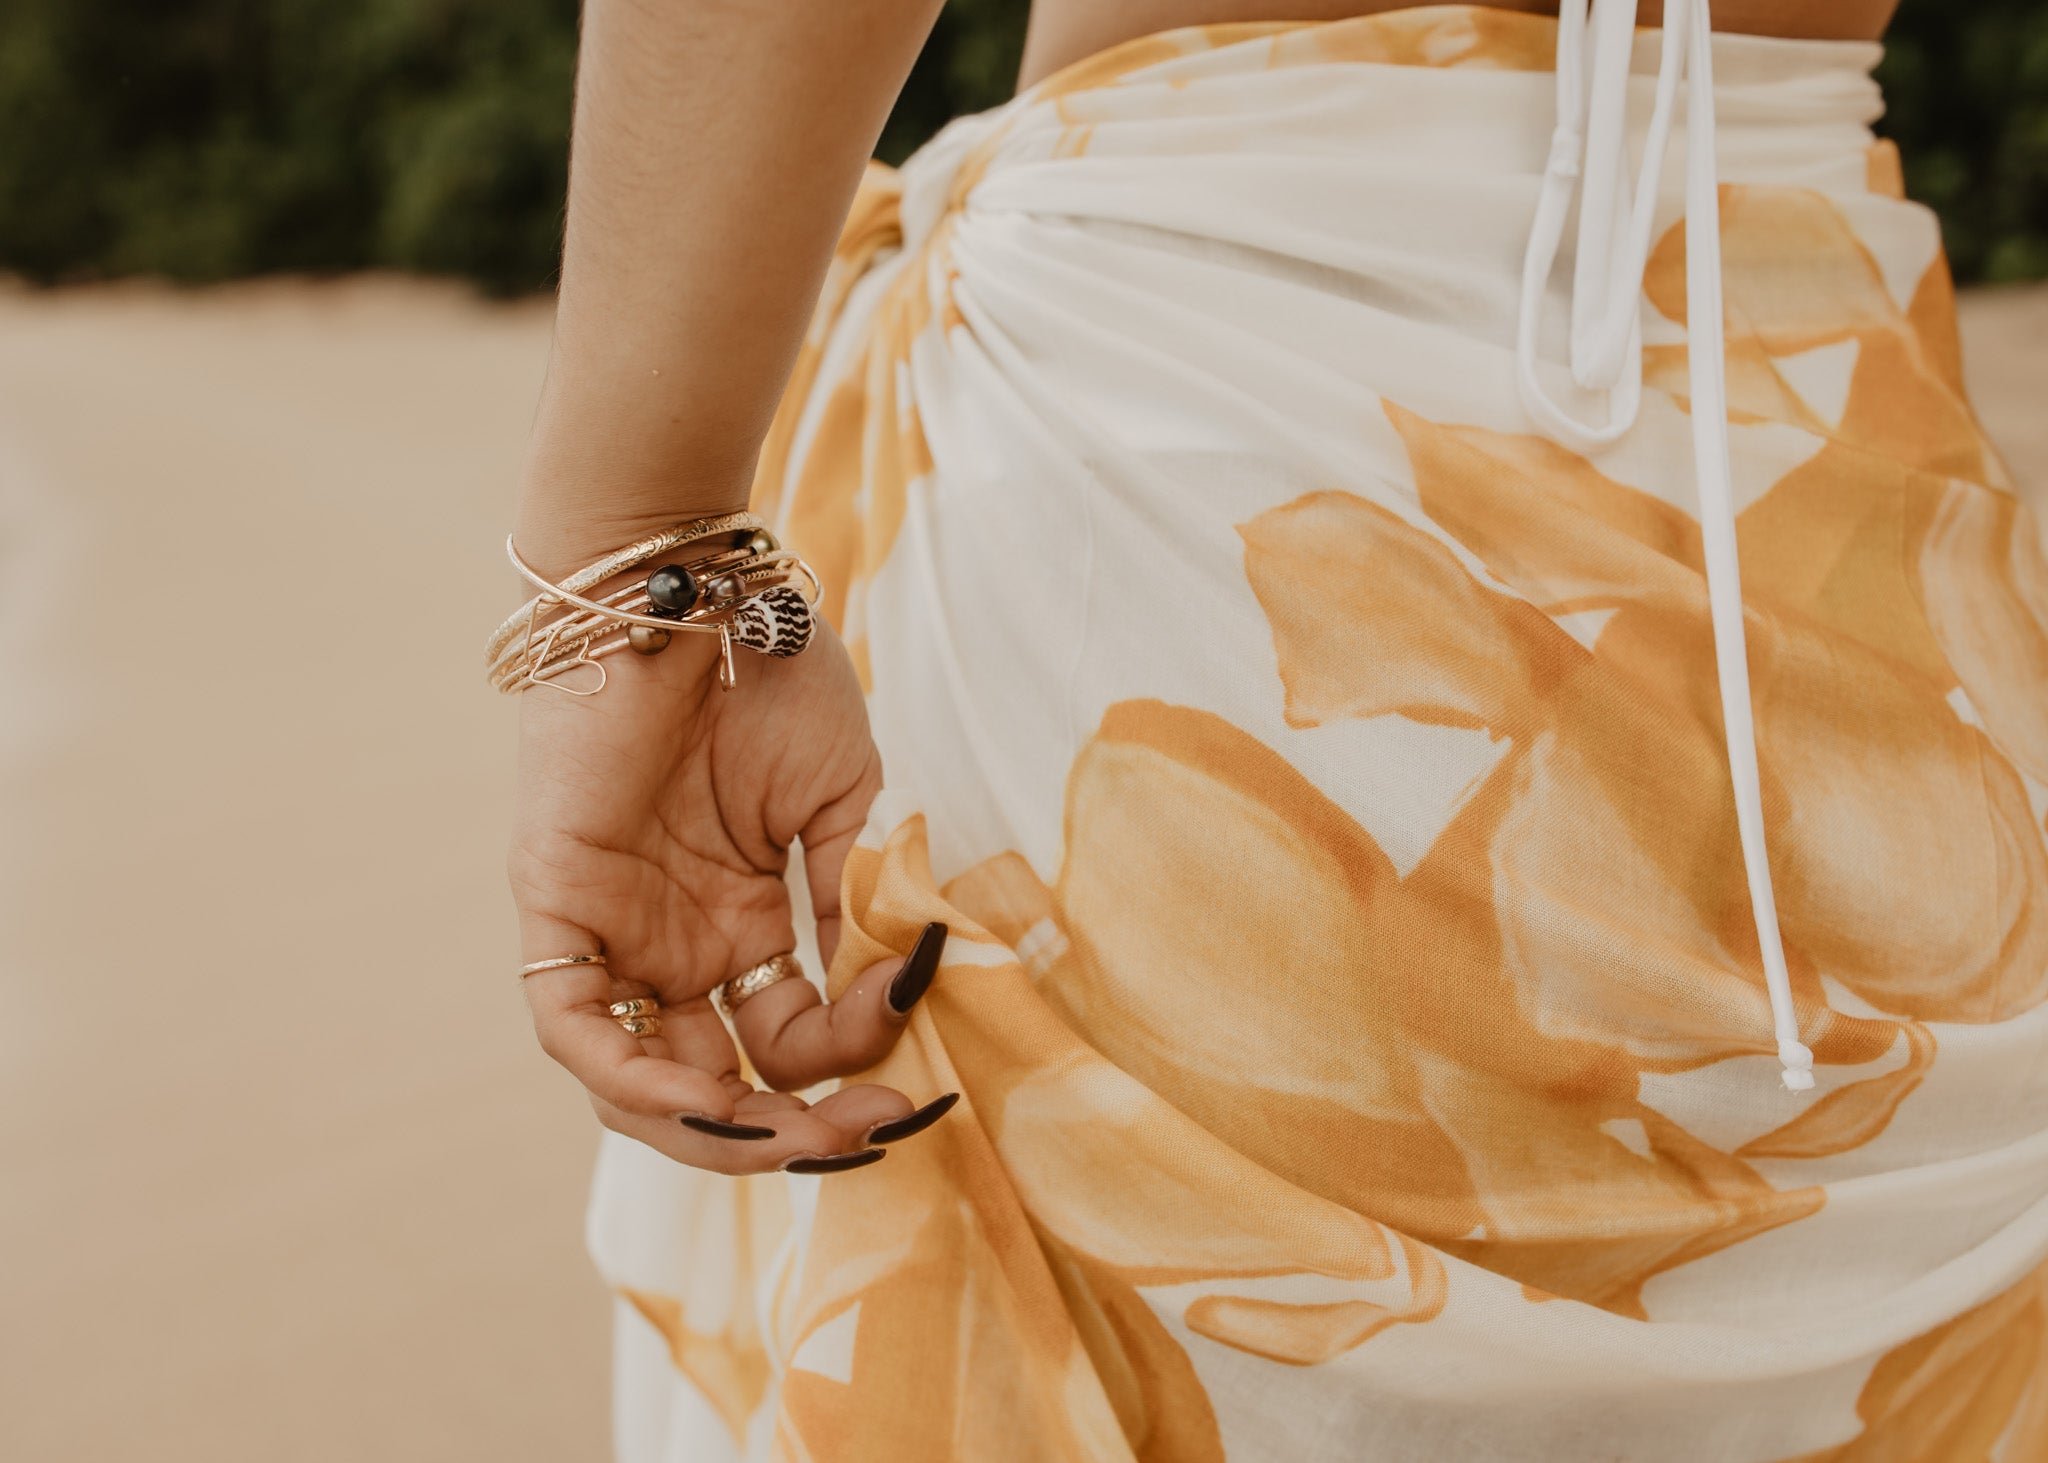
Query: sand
{"type": "Point", "coordinates": [285, 1176]}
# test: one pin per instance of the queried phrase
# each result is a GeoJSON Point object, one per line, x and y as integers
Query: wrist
{"type": "Point", "coordinates": [559, 529]}
{"type": "Point", "coordinates": [618, 452]}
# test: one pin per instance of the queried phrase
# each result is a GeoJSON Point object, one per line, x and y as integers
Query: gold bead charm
{"type": "Point", "coordinates": [646, 640]}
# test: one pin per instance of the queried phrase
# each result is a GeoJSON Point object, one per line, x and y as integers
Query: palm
{"type": "Point", "coordinates": [657, 816]}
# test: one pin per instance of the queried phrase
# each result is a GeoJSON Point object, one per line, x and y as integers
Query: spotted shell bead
{"type": "Point", "coordinates": [775, 622]}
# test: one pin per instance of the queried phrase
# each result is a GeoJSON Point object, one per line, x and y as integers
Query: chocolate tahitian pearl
{"type": "Point", "coordinates": [646, 639]}
{"type": "Point", "coordinates": [672, 590]}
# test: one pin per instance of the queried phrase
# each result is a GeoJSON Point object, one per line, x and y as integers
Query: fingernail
{"type": "Point", "coordinates": [837, 1163]}
{"type": "Point", "coordinates": [915, 978]}
{"type": "Point", "coordinates": [720, 1129]}
{"type": "Point", "coordinates": [913, 1122]}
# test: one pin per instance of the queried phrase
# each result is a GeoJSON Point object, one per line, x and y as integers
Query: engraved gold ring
{"type": "Point", "coordinates": [755, 979]}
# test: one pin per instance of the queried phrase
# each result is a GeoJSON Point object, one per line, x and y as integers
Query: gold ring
{"type": "Point", "coordinates": [755, 979]}
{"type": "Point", "coordinates": [638, 1006]}
{"type": "Point", "coordinates": [560, 962]}
{"type": "Point", "coordinates": [641, 1025]}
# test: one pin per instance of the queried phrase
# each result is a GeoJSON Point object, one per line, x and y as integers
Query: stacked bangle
{"type": "Point", "coordinates": [733, 580]}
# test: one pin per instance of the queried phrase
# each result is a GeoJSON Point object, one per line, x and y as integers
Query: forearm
{"type": "Point", "coordinates": [717, 144]}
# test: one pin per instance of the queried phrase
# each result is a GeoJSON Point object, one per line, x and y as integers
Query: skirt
{"type": "Point", "coordinates": [1354, 986]}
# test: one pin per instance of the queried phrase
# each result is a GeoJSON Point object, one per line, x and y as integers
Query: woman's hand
{"type": "Point", "coordinates": [654, 823]}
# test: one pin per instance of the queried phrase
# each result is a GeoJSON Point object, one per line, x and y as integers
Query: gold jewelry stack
{"type": "Point", "coordinates": [639, 1016]}
{"type": "Point", "coordinates": [725, 576]}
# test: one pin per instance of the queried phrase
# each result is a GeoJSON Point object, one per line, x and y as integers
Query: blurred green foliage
{"type": "Point", "coordinates": [1966, 95]}
{"type": "Point", "coordinates": [205, 139]}
{"type": "Point", "coordinates": [969, 64]}
{"type": "Point", "coordinates": [209, 139]}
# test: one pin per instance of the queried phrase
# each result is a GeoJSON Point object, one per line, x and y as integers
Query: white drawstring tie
{"type": "Point", "coordinates": [1607, 352]}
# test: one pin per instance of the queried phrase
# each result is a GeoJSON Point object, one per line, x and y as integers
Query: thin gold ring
{"type": "Point", "coordinates": [560, 962]}
{"type": "Point", "coordinates": [734, 993]}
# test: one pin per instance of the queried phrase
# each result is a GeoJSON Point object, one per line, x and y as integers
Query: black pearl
{"type": "Point", "coordinates": [672, 590]}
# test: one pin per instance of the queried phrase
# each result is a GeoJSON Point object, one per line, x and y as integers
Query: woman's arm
{"type": "Point", "coordinates": [717, 146]}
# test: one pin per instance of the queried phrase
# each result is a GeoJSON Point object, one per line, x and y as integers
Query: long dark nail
{"type": "Point", "coordinates": [915, 978]}
{"type": "Point", "coordinates": [720, 1129]}
{"type": "Point", "coordinates": [913, 1122]}
{"type": "Point", "coordinates": [837, 1163]}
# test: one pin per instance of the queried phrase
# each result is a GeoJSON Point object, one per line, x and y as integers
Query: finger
{"type": "Point", "coordinates": [877, 1113]}
{"type": "Point", "coordinates": [697, 1037]}
{"type": "Point", "coordinates": [763, 1102]}
{"type": "Point", "coordinates": [750, 1107]}
{"type": "Point", "coordinates": [794, 1038]}
{"type": "Point", "coordinates": [572, 1018]}
{"type": "Point", "coordinates": [825, 1139]}
{"type": "Point", "coordinates": [689, 1070]}
{"type": "Point", "coordinates": [827, 839]}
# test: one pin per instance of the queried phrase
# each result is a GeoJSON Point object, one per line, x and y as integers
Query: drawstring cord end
{"type": "Point", "coordinates": [1798, 1061]}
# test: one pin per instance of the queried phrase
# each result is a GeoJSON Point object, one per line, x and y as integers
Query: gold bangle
{"type": "Point", "coordinates": [558, 594]}
{"type": "Point", "coordinates": [747, 598]}
{"type": "Point", "coordinates": [583, 637]}
{"type": "Point", "coordinates": [630, 557]}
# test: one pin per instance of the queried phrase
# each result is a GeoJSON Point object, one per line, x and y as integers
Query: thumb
{"type": "Point", "coordinates": [795, 1038]}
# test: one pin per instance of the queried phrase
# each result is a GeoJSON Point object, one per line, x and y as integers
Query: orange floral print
{"type": "Point", "coordinates": [1965, 1392]}
{"type": "Point", "coordinates": [1352, 985]}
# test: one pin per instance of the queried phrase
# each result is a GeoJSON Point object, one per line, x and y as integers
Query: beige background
{"type": "Point", "coordinates": [282, 1176]}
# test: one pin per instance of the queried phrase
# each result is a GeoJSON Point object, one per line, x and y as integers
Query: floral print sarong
{"type": "Point", "coordinates": [1352, 982]}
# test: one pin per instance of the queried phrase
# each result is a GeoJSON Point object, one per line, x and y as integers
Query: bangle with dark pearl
{"type": "Point", "coordinates": [672, 590]}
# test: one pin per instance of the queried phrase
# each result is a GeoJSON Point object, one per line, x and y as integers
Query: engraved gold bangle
{"type": "Point", "coordinates": [555, 593]}
{"type": "Point", "coordinates": [755, 979]}
{"type": "Point", "coordinates": [630, 557]}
